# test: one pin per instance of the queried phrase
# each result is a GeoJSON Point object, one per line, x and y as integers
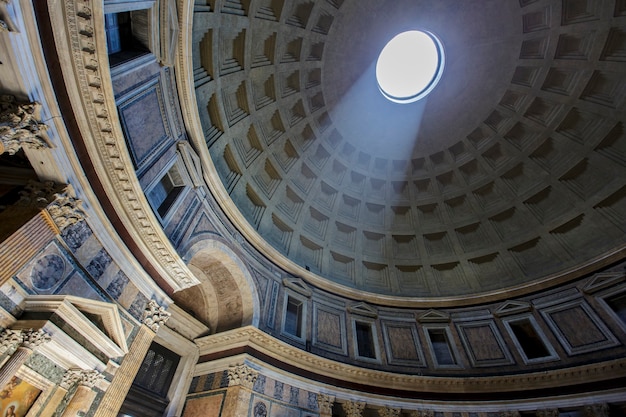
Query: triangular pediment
{"type": "Point", "coordinates": [434, 316]}
{"type": "Point", "coordinates": [512, 307]}
{"type": "Point", "coordinates": [363, 309]}
{"type": "Point", "coordinates": [298, 285]}
{"type": "Point", "coordinates": [603, 280]}
{"type": "Point", "coordinates": [97, 321]}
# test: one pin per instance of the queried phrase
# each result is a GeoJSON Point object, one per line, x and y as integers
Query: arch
{"type": "Point", "coordinates": [226, 297]}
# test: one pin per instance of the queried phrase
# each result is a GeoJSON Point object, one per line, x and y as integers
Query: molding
{"type": "Point", "coordinates": [250, 337]}
{"type": "Point", "coordinates": [78, 29]}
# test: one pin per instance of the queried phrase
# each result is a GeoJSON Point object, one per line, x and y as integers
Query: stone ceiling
{"type": "Point", "coordinates": [511, 172]}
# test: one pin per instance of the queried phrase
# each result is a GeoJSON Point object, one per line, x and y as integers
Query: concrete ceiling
{"type": "Point", "coordinates": [511, 172]}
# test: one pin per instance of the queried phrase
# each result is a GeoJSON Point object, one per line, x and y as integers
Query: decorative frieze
{"type": "Point", "coordinates": [155, 316]}
{"type": "Point", "coordinates": [18, 124]}
{"type": "Point", "coordinates": [242, 375]}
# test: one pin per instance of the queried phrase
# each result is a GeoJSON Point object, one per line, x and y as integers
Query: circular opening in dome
{"type": "Point", "coordinates": [410, 66]}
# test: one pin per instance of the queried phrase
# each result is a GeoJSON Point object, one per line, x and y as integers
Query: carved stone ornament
{"type": "Point", "coordinates": [389, 412]}
{"type": "Point", "coordinates": [155, 316]}
{"type": "Point", "coordinates": [354, 408]}
{"type": "Point", "coordinates": [18, 125]}
{"type": "Point", "coordinates": [33, 338]}
{"type": "Point", "coordinates": [242, 375]}
{"type": "Point", "coordinates": [551, 412]}
{"type": "Point", "coordinates": [422, 413]}
{"type": "Point", "coordinates": [65, 210]}
{"type": "Point", "coordinates": [325, 403]}
{"type": "Point", "coordinates": [90, 378]}
{"type": "Point", "coordinates": [71, 377]}
{"type": "Point", "coordinates": [37, 194]}
{"type": "Point", "coordinates": [9, 338]}
{"type": "Point", "coordinates": [509, 413]}
{"type": "Point", "coordinates": [597, 410]}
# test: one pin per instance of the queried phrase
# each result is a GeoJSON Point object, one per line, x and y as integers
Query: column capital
{"type": "Point", "coordinates": [89, 378]}
{"type": "Point", "coordinates": [389, 412]}
{"type": "Point", "coordinates": [9, 338]}
{"type": "Point", "coordinates": [422, 413]}
{"type": "Point", "coordinates": [18, 125]}
{"type": "Point", "coordinates": [34, 338]}
{"type": "Point", "coordinates": [597, 410]}
{"type": "Point", "coordinates": [65, 209]}
{"type": "Point", "coordinates": [550, 412]}
{"type": "Point", "coordinates": [155, 316]}
{"type": "Point", "coordinates": [325, 403]}
{"type": "Point", "coordinates": [242, 375]}
{"type": "Point", "coordinates": [71, 377]}
{"type": "Point", "coordinates": [354, 408]}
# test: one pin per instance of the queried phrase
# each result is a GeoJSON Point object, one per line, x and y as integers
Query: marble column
{"type": "Point", "coordinates": [30, 340]}
{"type": "Point", "coordinates": [241, 380]}
{"type": "Point", "coordinates": [84, 395]}
{"type": "Point", "coordinates": [154, 317]}
{"type": "Point", "coordinates": [325, 404]}
{"type": "Point", "coordinates": [70, 378]}
{"type": "Point", "coordinates": [354, 408]}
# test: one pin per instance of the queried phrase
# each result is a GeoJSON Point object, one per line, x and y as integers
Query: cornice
{"type": "Point", "coordinates": [79, 34]}
{"type": "Point", "coordinates": [250, 337]}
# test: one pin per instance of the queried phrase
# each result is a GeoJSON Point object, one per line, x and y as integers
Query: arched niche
{"type": "Point", "coordinates": [226, 297]}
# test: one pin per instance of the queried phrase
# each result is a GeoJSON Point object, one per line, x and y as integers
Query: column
{"type": "Point", "coordinates": [30, 339]}
{"type": "Point", "coordinates": [241, 379]}
{"type": "Point", "coordinates": [154, 317]}
{"type": "Point", "coordinates": [325, 404]}
{"type": "Point", "coordinates": [354, 408]}
{"type": "Point", "coordinates": [70, 378]}
{"type": "Point", "coordinates": [389, 412]}
{"type": "Point", "coordinates": [84, 395]}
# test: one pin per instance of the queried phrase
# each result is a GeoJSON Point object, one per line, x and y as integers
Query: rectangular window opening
{"type": "Point", "coordinates": [166, 191]}
{"type": "Point", "coordinates": [127, 35]}
{"type": "Point", "coordinates": [618, 305]}
{"type": "Point", "coordinates": [529, 340]}
{"type": "Point", "coordinates": [293, 317]}
{"type": "Point", "coordinates": [441, 347]}
{"type": "Point", "coordinates": [365, 340]}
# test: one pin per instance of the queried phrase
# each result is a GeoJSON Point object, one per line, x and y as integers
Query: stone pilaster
{"type": "Point", "coordinates": [354, 408]}
{"type": "Point", "coordinates": [389, 412]}
{"type": "Point", "coordinates": [154, 316]}
{"type": "Point", "coordinates": [18, 125]}
{"type": "Point", "coordinates": [30, 340]}
{"type": "Point", "coordinates": [241, 379]}
{"type": "Point", "coordinates": [84, 395]}
{"type": "Point", "coordinates": [325, 404]}
{"type": "Point", "coordinates": [597, 410]}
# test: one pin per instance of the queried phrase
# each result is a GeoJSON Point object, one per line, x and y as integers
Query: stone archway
{"type": "Point", "coordinates": [226, 297]}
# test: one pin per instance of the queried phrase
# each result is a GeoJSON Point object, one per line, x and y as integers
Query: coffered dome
{"type": "Point", "coordinates": [510, 174]}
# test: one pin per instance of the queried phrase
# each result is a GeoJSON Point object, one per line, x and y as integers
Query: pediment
{"type": "Point", "coordinates": [603, 280]}
{"type": "Point", "coordinates": [363, 309]}
{"type": "Point", "coordinates": [434, 316]}
{"type": "Point", "coordinates": [298, 285]}
{"type": "Point", "coordinates": [97, 321]}
{"type": "Point", "coordinates": [512, 307]}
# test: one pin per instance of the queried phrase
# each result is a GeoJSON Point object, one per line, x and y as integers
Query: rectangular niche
{"type": "Point", "coordinates": [443, 353]}
{"type": "Point", "coordinates": [529, 340]}
{"type": "Point", "coordinates": [483, 344]}
{"type": "Point", "coordinates": [402, 343]}
{"type": "Point", "coordinates": [578, 328]}
{"type": "Point", "coordinates": [329, 328]}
